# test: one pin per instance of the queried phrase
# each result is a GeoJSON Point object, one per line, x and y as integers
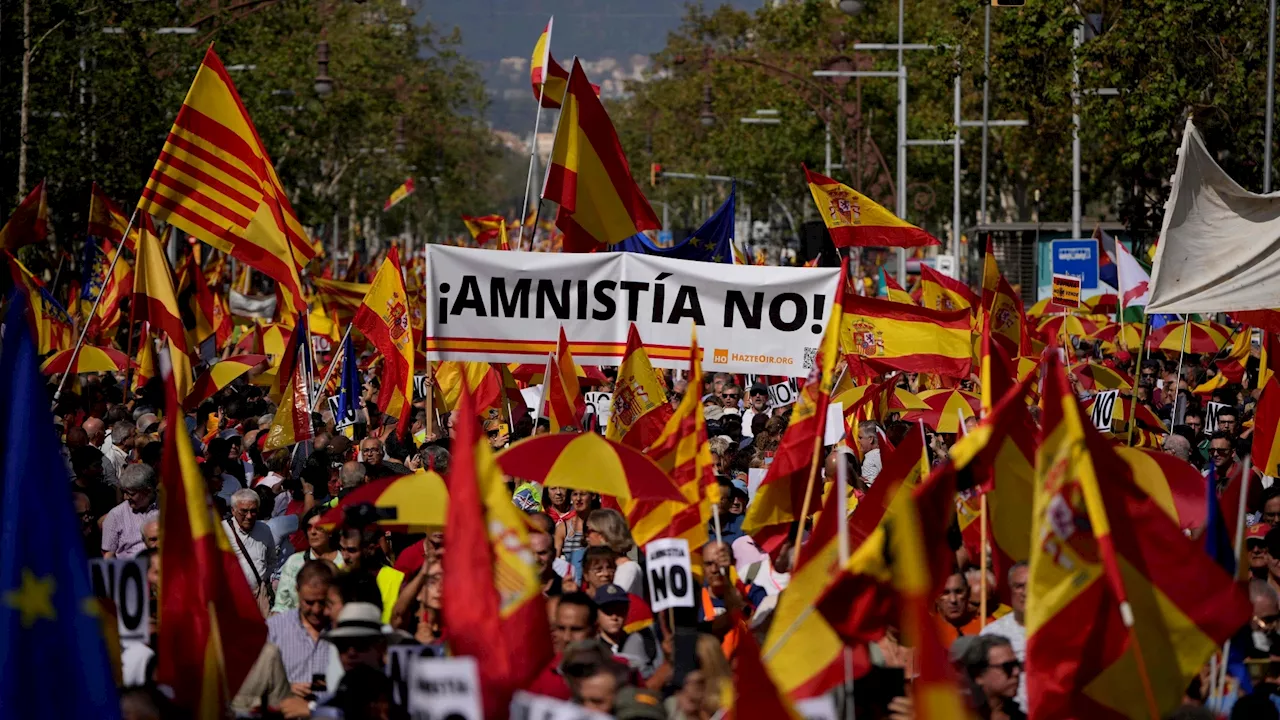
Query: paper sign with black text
{"type": "Point", "coordinates": [1104, 407]}
{"type": "Point", "coordinates": [599, 410]}
{"type": "Point", "coordinates": [444, 688]}
{"type": "Point", "coordinates": [781, 394]}
{"type": "Point", "coordinates": [670, 574]}
{"type": "Point", "coordinates": [1211, 410]}
{"type": "Point", "coordinates": [1066, 291]}
{"type": "Point", "coordinates": [419, 388]}
{"type": "Point", "coordinates": [339, 420]}
{"type": "Point", "coordinates": [123, 581]}
{"type": "Point", "coordinates": [494, 306]}
{"type": "Point", "coordinates": [527, 706]}
{"type": "Point", "coordinates": [400, 659]}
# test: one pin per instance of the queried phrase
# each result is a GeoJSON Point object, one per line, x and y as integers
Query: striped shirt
{"type": "Point", "coordinates": [122, 529]}
{"type": "Point", "coordinates": [303, 657]}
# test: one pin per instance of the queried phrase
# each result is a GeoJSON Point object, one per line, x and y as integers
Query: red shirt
{"type": "Point", "coordinates": [410, 560]}
{"type": "Point", "coordinates": [551, 683]}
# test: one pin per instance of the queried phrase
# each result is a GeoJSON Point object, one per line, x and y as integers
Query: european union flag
{"type": "Point", "coordinates": [53, 660]}
{"type": "Point", "coordinates": [713, 242]}
{"type": "Point", "coordinates": [349, 390]}
{"type": "Point", "coordinates": [1217, 539]}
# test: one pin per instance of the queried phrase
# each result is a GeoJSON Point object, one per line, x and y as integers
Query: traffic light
{"type": "Point", "coordinates": [655, 172]}
{"type": "Point", "coordinates": [1008, 3]}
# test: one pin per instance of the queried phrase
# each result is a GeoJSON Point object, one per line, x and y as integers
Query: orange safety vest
{"type": "Point", "coordinates": [729, 643]}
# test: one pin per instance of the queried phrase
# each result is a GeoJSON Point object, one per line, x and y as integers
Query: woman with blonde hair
{"type": "Point", "coordinates": [699, 699]}
{"type": "Point", "coordinates": [609, 528]}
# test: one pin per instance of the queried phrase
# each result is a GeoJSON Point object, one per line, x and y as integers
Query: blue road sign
{"type": "Point", "coordinates": [1078, 258]}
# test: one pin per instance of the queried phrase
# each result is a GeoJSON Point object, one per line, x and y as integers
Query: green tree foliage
{"type": "Point", "coordinates": [102, 103]}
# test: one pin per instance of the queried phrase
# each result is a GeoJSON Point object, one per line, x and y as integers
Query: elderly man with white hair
{"type": "Point", "coordinates": [251, 540]}
{"type": "Point", "coordinates": [1177, 446]}
{"type": "Point", "coordinates": [122, 525]}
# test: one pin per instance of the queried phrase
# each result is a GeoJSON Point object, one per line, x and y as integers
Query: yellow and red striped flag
{"type": "Point", "coordinates": [503, 242]}
{"type": "Point", "coordinates": [939, 292]}
{"type": "Point", "coordinates": [485, 227]}
{"type": "Point", "coordinates": [892, 290]}
{"type": "Point", "coordinates": [481, 379]}
{"type": "Point", "coordinates": [683, 452]}
{"type": "Point", "coordinates": [212, 319]}
{"type": "Point", "coordinates": [1108, 564]}
{"type": "Point", "coordinates": [383, 318]}
{"type": "Point", "coordinates": [565, 403]}
{"type": "Point", "coordinates": [50, 324]}
{"type": "Point", "coordinates": [213, 630]}
{"type": "Point", "coordinates": [340, 297]}
{"type": "Point", "coordinates": [881, 336]}
{"type": "Point", "coordinates": [546, 75]}
{"type": "Point", "coordinates": [215, 181]}
{"type": "Point", "coordinates": [589, 177]}
{"type": "Point", "coordinates": [855, 220]}
{"type": "Point", "coordinates": [29, 223]}
{"type": "Point", "coordinates": [1266, 421]}
{"type": "Point", "coordinates": [155, 301]}
{"type": "Point", "coordinates": [781, 496]}
{"type": "Point", "coordinates": [405, 190]}
{"type": "Point", "coordinates": [640, 409]}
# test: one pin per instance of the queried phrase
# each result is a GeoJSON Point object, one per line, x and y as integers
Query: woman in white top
{"type": "Point", "coordinates": [607, 527]}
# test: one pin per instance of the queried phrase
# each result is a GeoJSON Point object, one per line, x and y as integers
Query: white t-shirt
{"type": "Point", "coordinates": [871, 466]}
{"type": "Point", "coordinates": [262, 550]}
{"type": "Point", "coordinates": [1008, 627]}
{"type": "Point", "coordinates": [628, 577]}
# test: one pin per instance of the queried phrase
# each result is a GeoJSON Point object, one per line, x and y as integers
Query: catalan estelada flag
{"type": "Point", "coordinates": [215, 181]}
{"type": "Point", "coordinates": [791, 476]}
{"type": "Point", "coordinates": [855, 220]}
{"type": "Point", "coordinates": [156, 302]}
{"type": "Point", "coordinates": [484, 228]}
{"type": "Point", "coordinates": [546, 75]}
{"type": "Point", "coordinates": [1122, 609]}
{"type": "Point", "coordinates": [640, 409]}
{"type": "Point", "coordinates": [383, 318]}
{"type": "Point", "coordinates": [939, 292]}
{"type": "Point", "coordinates": [565, 403]}
{"type": "Point", "coordinates": [213, 630]}
{"type": "Point", "coordinates": [682, 450]}
{"type": "Point", "coordinates": [881, 336]}
{"type": "Point", "coordinates": [400, 193]}
{"type": "Point", "coordinates": [29, 223]}
{"type": "Point", "coordinates": [493, 596]}
{"type": "Point", "coordinates": [589, 177]}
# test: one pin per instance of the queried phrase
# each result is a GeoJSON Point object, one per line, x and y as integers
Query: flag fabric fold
{"type": "Point", "coordinates": [713, 242]}
{"type": "Point", "coordinates": [565, 403]}
{"type": "Point", "coordinates": [484, 228]}
{"type": "Point", "coordinates": [640, 408]}
{"type": "Point", "coordinates": [588, 175]}
{"type": "Point", "coordinates": [547, 76]}
{"type": "Point", "coordinates": [405, 189]}
{"type": "Point", "coordinates": [939, 292]}
{"type": "Point", "coordinates": [156, 303]}
{"type": "Point", "coordinates": [29, 223]}
{"type": "Point", "coordinates": [855, 220]}
{"type": "Point", "coordinates": [882, 336]}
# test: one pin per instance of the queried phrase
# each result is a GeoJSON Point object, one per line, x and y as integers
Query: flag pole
{"type": "Point", "coordinates": [342, 346]}
{"type": "Point", "coordinates": [533, 146]}
{"type": "Point", "coordinates": [537, 213]}
{"type": "Point", "coordinates": [982, 563]}
{"type": "Point", "coordinates": [808, 494]}
{"type": "Point", "coordinates": [842, 548]}
{"type": "Point", "coordinates": [75, 353]}
{"type": "Point", "coordinates": [1182, 353]}
{"type": "Point", "coordinates": [1142, 349]}
{"type": "Point", "coordinates": [542, 396]}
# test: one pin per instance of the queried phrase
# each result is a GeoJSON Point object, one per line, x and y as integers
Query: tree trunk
{"type": "Point", "coordinates": [25, 112]}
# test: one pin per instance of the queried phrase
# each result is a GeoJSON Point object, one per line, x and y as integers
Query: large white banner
{"type": "Point", "coordinates": [496, 306]}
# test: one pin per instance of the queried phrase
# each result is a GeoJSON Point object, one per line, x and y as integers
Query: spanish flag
{"type": "Point", "coordinates": [1232, 367]}
{"type": "Point", "coordinates": [50, 324]}
{"type": "Point", "coordinates": [493, 602]}
{"type": "Point", "coordinates": [214, 181]}
{"type": "Point", "coordinates": [155, 302]}
{"type": "Point", "coordinates": [211, 318]}
{"type": "Point", "coordinates": [1266, 422]}
{"type": "Point", "coordinates": [29, 223]}
{"type": "Point", "coordinates": [485, 227]}
{"type": "Point", "coordinates": [1123, 609]}
{"type": "Point", "coordinates": [791, 476]}
{"type": "Point", "coordinates": [683, 452]}
{"type": "Point", "coordinates": [400, 193]}
{"type": "Point", "coordinates": [213, 630]}
{"type": "Point", "coordinates": [503, 242]}
{"type": "Point", "coordinates": [292, 421]}
{"type": "Point", "coordinates": [640, 409]}
{"type": "Point", "coordinates": [753, 693]}
{"type": "Point", "coordinates": [882, 335]}
{"type": "Point", "coordinates": [855, 220]}
{"type": "Point", "coordinates": [589, 177]}
{"type": "Point", "coordinates": [803, 651]}
{"type": "Point", "coordinates": [565, 403]}
{"type": "Point", "coordinates": [383, 318]}
{"type": "Point", "coordinates": [891, 290]}
{"type": "Point", "coordinates": [1002, 308]}
{"type": "Point", "coordinates": [340, 297]}
{"type": "Point", "coordinates": [480, 379]}
{"type": "Point", "coordinates": [113, 289]}
{"type": "Point", "coordinates": [107, 222]}
{"type": "Point", "coordinates": [939, 292]}
{"type": "Point", "coordinates": [546, 75]}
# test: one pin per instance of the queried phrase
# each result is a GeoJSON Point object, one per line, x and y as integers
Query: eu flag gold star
{"type": "Point", "coordinates": [34, 598]}
{"type": "Point", "coordinates": [717, 258]}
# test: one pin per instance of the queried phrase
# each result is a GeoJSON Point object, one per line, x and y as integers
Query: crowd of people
{"type": "Point", "coordinates": [337, 595]}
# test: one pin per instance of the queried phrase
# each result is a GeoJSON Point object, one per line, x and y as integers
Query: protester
{"type": "Point", "coordinates": [868, 434]}
{"type": "Point", "coordinates": [1012, 626]}
{"type": "Point", "coordinates": [607, 527]}
{"type": "Point", "coordinates": [361, 553]}
{"type": "Point", "coordinates": [122, 526]}
{"type": "Point", "coordinates": [298, 632]}
{"type": "Point", "coordinates": [612, 606]}
{"type": "Point", "coordinates": [996, 672]}
{"type": "Point", "coordinates": [320, 546]}
{"type": "Point", "coordinates": [954, 618]}
{"type": "Point", "coordinates": [253, 544]}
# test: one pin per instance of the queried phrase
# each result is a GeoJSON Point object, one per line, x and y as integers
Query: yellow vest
{"type": "Point", "coordinates": [389, 580]}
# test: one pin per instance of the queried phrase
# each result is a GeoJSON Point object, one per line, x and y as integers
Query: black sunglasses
{"type": "Point", "coordinates": [1008, 667]}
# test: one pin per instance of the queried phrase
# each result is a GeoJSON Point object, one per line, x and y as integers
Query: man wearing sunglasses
{"type": "Point", "coordinates": [994, 669]}
{"type": "Point", "coordinates": [730, 395]}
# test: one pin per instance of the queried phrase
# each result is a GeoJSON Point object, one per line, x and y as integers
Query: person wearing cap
{"type": "Point", "coordinates": [757, 404]}
{"type": "Point", "coordinates": [730, 523]}
{"type": "Point", "coordinates": [637, 704]}
{"type": "Point", "coordinates": [1255, 538]}
{"type": "Point", "coordinates": [358, 637]}
{"type": "Point", "coordinates": [612, 605]}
